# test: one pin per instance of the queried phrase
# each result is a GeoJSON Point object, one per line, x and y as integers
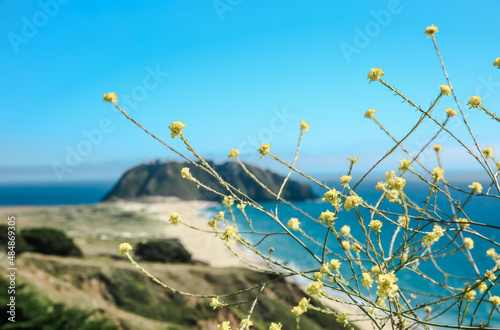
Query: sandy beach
{"type": "Point", "coordinates": [203, 246]}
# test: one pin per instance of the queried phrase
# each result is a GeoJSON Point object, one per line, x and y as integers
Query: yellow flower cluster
{"type": "Point", "coordinates": [475, 102]}
{"type": "Point", "coordinates": [392, 195]}
{"type": "Point", "coordinates": [293, 223]}
{"type": "Point", "coordinates": [491, 253]}
{"type": "Point", "coordinates": [389, 176]}
{"type": "Point", "coordinates": [324, 270]}
{"type": "Point", "coordinates": [175, 128]}
{"type": "Point", "coordinates": [437, 147]}
{"type": "Point", "coordinates": [434, 236]}
{"type": "Point", "coordinates": [212, 223]}
{"type": "Point", "coordinates": [229, 233]}
{"type": "Point", "coordinates": [124, 248]}
{"type": "Point", "coordinates": [275, 326]}
{"type": "Point", "coordinates": [233, 153]}
{"type": "Point", "coordinates": [352, 201]}
{"type": "Point", "coordinates": [345, 230]}
{"type": "Point", "coordinates": [445, 90]}
{"type": "Point", "coordinates": [228, 201]}
{"type": "Point", "coordinates": [375, 225]}
{"type": "Point", "coordinates": [332, 196]}
{"type": "Point", "coordinates": [175, 218]}
{"type": "Point", "coordinates": [387, 285]}
{"type": "Point", "coordinates": [302, 307]}
{"type": "Point", "coordinates": [482, 287]}
{"type": "Point", "coordinates": [304, 126]}
{"type": "Point", "coordinates": [431, 30]}
{"type": "Point", "coordinates": [398, 183]}
{"type": "Point", "coordinates": [328, 217]}
{"type": "Point", "coordinates": [264, 149]}
{"type": "Point", "coordinates": [367, 280]}
{"type": "Point", "coordinates": [403, 220]}
{"type": "Point", "coordinates": [353, 160]}
{"type": "Point", "coordinates": [468, 243]}
{"type": "Point", "coordinates": [404, 165]}
{"type": "Point", "coordinates": [342, 318]}
{"type": "Point", "coordinates": [185, 173]}
{"type": "Point", "coordinates": [380, 186]}
{"type": "Point", "coordinates": [463, 222]}
{"type": "Point", "coordinates": [375, 269]}
{"type": "Point", "coordinates": [450, 112]}
{"type": "Point", "coordinates": [495, 300]}
{"type": "Point", "coordinates": [476, 187]}
{"type": "Point", "coordinates": [370, 114]}
{"type": "Point", "coordinates": [489, 275]}
{"type": "Point", "coordinates": [375, 74]}
{"type": "Point", "coordinates": [316, 289]}
{"type": "Point", "coordinates": [488, 152]}
{"type": "Point", "coordinates": [344, 179]}
{"type": "Point", "coordinates": [438, 173]}
{"type": "Point", "coordinates": [469, 295]}
{"type": "Point", "coordinates": [215, 303]}
{"type": "Point", "coordinates": [335, 265]}
{"type": "Point", "coordinates": [224, 326]}
{"type": "Point", "coordinates": [110, 97]}
{"type": "Point", "coordinates": [497, 62]}
{"type": "Point", "coordinates": [318, 276]}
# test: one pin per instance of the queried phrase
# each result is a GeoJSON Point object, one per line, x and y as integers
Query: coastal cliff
{"type": "Point", "coordinates": [164, 179]}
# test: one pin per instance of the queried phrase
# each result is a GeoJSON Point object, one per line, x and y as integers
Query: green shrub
{"type": "Point", "coordinates": [163, 251]}
{"type": "Point", "coordinates": [50, 241]}
{"type": "Point", "coordinates": [37, 312]}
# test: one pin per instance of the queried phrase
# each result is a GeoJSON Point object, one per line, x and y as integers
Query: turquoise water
{"type": "Point", "coordinates": [67, 193]}
{"type": "Point", "coordinates": [287, 250]}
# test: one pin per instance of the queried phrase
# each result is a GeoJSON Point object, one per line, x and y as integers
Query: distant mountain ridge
{"type": "Point", "coordinates": [164, 179]}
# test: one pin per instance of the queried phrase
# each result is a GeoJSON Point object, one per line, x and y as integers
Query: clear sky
{"type": "Point", "coordinates": [238, 73]}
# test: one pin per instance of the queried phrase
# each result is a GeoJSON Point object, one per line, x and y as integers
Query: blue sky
{"type": "Point", "coordinates": [238, 73]}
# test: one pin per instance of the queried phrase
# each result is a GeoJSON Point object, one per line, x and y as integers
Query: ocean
{"type": "Point", "coordinates": [288, 251]}
{"type": "Point", "coordinates": [66, 193]}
